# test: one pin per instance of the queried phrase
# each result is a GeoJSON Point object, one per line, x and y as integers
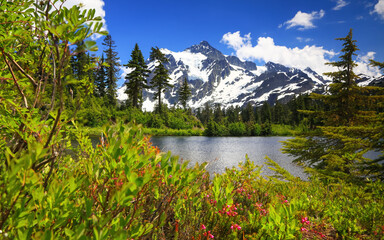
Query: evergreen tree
{"type": "Point", "coordinates": [160, 80]}
{"type": "Point", "coordinates": [137, 78]}
{"type": "Point", "coordinates": [218, 115]}
{"type": "Point", "coordinates": [257, 115]}
{"type": "Point", "coordinates": [349, 126]}
{"type": "Point", "coordinates": [79, 60]}
{"type": "Point", "coordinates": [112, 69]}
{"type": "Point", "coordinates": [344, 86]}
{"type": "Point", "coordinates": [265, 113]}
{"type": "Point", "coordinates": [277, 113]}
{"type": "Point", "coordinates": [377, 64]}
{"type": "Point", "coordinates": [206, 114]}
{"type": "Point", "coordinates": [100, 79]}
{"type": "Point", "coordinates": [184, 93]}
{"type": "Point", "coordinates": [247, 113]}
{"type": "Point", "coordinates": [231, 115]}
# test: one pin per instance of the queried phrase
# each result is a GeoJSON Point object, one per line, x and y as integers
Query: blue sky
{"type": "Point", "coordinates": [293, 33]}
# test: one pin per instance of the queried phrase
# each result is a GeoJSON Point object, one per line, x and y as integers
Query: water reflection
{"type": "Point", "coordinates": [226, 152]}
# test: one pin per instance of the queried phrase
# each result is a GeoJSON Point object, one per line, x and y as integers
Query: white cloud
{"type": "Point", "coordinates": [364, 67]}
{"type": "Point", "coordinates": [304, 20]}
{"type": "Point", "coordinates": [301, 39]}
{"type": "Point", "coordinates": [98, 5]}
{"type": "Point", "coordinates": [340, 4]}
{"type": "Point", "coordinates": [379, 8]}
{"type": "Point", "coordinates": [309, 56]}
{"type": "Point", "coordinates": [235, 41]}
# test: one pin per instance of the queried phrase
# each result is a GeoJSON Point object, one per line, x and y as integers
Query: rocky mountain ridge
{"type": "Point", "coordinates": [216, 78]}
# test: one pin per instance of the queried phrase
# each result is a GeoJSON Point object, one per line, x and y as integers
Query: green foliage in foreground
{"type": "Point", "coordinates": [126, 189]}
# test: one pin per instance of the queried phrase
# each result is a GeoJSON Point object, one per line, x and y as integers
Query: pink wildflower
{"type": "Point", "coordinates": [305, 220]}
{"type": "Point", "coordinates": [303, 229]}
{"type": "Point", "coordinates": [235, 227]}
{"type": "Point", "coordinates": [203, 227]}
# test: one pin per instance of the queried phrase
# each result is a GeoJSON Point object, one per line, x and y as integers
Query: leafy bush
{"type": "Point", "coordinates": [237, 129]}
{"type": "Point", "coordinates": [127, 189]}
{"type": "Point", "coordinates": [156, 121]}
{"type": "Point", "coordinates": [215, 129]}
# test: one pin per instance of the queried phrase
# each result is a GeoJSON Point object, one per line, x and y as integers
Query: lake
{"type": "Point", "coordinates": [226, 152]}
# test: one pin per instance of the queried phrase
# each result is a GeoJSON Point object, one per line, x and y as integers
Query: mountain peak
{"type": "Point", "coordinates": [205, 43]}
{"type": "Point", "coordinates": [206, 49]}
{"type": "Point", "coordinates": [271, 66]}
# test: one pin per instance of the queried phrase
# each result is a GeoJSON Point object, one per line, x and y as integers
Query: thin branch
{"type": "Point", "coordinates": [21, 69]}
{"type": "Point", "coordinates": [2, 23]}
{"type": "Point", "coordinates": [53, 128]}
{"type": "Point", "coordinates": [54, 84]}
{"type": "Point", "coordinates": [15, 80]}
{"type": "Point", "coordinates": [45, 185]}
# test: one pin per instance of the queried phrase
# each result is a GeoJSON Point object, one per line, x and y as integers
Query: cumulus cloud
{"type": "Point", "coordinates": [303, 20]}
{"type": "Point", "coordinates": [363, 65]}
{"type": "Point", "coordinates": [235, 41]}
{"type": "Point", "coordinates": [309, 56]}
{"type": "Point", "coordinates": [379, 9]}
{"type": "Point", "coordinates": [340, 4]}
{"type": "Point", "coordinates": [98, 5]}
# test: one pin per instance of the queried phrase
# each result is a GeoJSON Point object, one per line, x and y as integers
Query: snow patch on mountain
{"type": "Point", "coordinates": [216, 78]}
{"type": "Point", "coordinates": [121, 95]}
{"type": "Point", "coordinates": [259, 70]}
{"type": "Point", "coordinates": [192, 61]}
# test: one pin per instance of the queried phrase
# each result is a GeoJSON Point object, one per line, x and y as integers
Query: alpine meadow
{"type": "Point", "coordinates": [76, 157]}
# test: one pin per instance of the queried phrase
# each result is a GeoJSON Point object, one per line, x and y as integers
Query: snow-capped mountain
{"type": "Point", "coordinates": [216, 78]}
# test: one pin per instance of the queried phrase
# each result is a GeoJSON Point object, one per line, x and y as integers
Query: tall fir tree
{"type": "Point", "coordinates": [79, 60]}
{"type": "Point", "coordinates": [218, 115]}
{"type": "Point", "coordinates": [137, 78]}
{"type": "Point", "coordinates": [100, 79]}
{"type": "Point", "coordinates": [232, 115]}
{"type": "Point", "coordinates": [344, 87]}
{"type": "Point", "coordinates": [349, 126]}
{"type": "Point", "coordinates": [247, 113]}
{"type": "Point", "coordinates": [112, 69]}
{"type": "Point", "coordinates": [265, 113]}
{"type": "Point", "coordinates": [160, 80]}
{"type": "Point", "coordinates": [184, 93]}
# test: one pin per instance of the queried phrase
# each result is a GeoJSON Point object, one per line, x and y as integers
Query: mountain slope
{"type": "Point", "coordinates": [216, 78]}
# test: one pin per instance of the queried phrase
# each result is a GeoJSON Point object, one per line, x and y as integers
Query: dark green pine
{"type": "Point", "coordinates": [184, 93]}
{"type": "Point", "coordinates": [348, 126]}
{"type": "Point", "coordinates": [112, 69]}
{"type": "Point", "coordinates": [160, 80]}
{"type": "Point", "coordinates": [137, 78]}
{"type": "Point", "coordinates": [100, 79]}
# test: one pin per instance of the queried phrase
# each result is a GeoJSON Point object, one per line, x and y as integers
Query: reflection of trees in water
{"type": "Point", "coordinates": [226, 152]}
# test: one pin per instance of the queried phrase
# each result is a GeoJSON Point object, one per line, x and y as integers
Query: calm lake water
{"type": "Point", "coordinates": [226, 152]}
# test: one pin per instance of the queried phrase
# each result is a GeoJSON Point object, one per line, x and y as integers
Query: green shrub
{"type": "Point", "coordinates": [237, 129]}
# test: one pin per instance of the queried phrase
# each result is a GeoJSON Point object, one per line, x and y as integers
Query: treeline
{"type": "Point", "coordinates": [257, 120]}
